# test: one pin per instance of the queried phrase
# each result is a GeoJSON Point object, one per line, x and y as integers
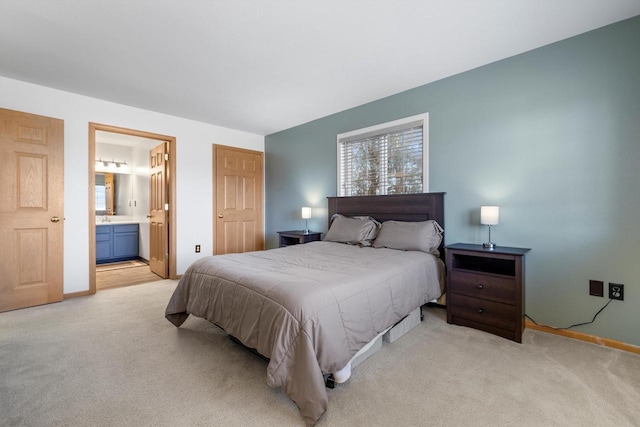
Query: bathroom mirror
{"type": "Point", "coordinates": [114, 194]}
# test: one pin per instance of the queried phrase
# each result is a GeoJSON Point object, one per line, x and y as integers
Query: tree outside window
{"type": "Point", "coordinates": [385, 159]}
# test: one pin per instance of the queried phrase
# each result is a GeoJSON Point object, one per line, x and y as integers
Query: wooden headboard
{"type": "Point", "coordinates": [399, 207]}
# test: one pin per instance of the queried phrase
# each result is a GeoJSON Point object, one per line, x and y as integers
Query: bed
{"type": "Point", "coordinates": [311, 308]}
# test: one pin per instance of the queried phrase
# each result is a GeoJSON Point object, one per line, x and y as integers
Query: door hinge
{"type": "Point", "coordinates": [166, 156]}
{"type": "Point", "coordinates": [166, 206]}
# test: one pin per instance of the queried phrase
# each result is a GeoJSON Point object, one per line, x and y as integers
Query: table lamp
{"type": "Point", "coordinates": [489, 215]}
{"type": "Point", "coordinates": [306, 214]}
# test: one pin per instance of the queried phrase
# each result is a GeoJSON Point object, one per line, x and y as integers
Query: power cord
{"type": "Point", "coordinates": [572, 326]}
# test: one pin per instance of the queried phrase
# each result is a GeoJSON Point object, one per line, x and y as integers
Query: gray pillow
{"type": "Point", "coordinates": [422, 236]}
{"type": "Point", "coordinates": [354, 231]}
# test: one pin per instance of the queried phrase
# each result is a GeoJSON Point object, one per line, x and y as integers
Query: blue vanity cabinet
{"type": "Point", "coordinates": [116, 242]}
{"type": "Point", "coordinates": [125, 241]}
{"type": "Point", "coordinates": [103, 243]}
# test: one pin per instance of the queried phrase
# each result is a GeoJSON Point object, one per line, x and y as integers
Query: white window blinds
{"type": "Point", "coordinates": [383, 160]}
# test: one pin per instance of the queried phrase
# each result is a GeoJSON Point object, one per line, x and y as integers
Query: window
{"type": "Point", "coordinates": [391, 158]}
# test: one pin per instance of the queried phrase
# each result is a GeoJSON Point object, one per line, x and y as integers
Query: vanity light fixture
{"type": "Point", "coordinates": [489, 215]}
{"type": "Point", "coordinates": [106, 164]}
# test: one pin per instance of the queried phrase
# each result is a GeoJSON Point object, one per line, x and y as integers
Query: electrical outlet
{"type": "Point", "coordinates": [616, 291]}
{"type": "Point", "coordinates": [197, 249]}
{"type": "Point", "coordinates": [596, 288]}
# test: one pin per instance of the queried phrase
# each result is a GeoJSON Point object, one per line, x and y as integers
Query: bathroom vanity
{"type": "Point", "coordinates": [116, 242]}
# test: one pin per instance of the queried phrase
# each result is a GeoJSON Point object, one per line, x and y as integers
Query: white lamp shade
{"type": "Point", "coordinates": [306, 212]}
{"type": "Point", "coordinates": [489, 215]}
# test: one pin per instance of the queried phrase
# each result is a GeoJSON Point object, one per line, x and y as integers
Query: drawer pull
{"type": "Point", "coordinates": [480, 310]}
{"type": "Point", "coordinates": [480, 286]}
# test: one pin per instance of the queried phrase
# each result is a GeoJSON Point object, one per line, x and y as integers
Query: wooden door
{"type": "Point", "coordinates": [238, 200]}
{"type": "Point", "coordinates": [158, 215]}
{"type": "Point", "coordinates": [31, 209]}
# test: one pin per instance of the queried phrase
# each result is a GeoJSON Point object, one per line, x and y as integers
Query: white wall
{"type": "Point", "coordinates": [193, 166]}
{"type": "Point", "coordinates": [140, 175]}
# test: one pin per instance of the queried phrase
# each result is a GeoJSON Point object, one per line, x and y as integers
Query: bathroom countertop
{"type": "Point", "coordinates": [98, 224]}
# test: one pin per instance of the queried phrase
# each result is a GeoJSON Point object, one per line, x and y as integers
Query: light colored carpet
{"type": "Point", "coordinates": [113, 360]}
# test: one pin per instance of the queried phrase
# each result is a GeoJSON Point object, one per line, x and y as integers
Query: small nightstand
{"type": "Point", "coordinates": [296, 237]}
{"type": "Point", "coordinates": [485, 288]}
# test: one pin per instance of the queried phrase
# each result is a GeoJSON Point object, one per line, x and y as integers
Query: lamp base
{"type": "Point", "coordinates": [305, 231]}
{"type": "Point", "coordinates": [489, 245]}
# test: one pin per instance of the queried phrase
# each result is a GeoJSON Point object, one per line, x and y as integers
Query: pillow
{"type": "Point", "coordinates": [422, 236]}
{"type": "Point", "coordinates": [354, 231]}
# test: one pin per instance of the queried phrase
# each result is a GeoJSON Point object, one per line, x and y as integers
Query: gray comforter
{"type": "Point", "coordinates": [308, 308]}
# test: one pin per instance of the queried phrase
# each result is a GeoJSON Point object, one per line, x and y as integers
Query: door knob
{"type": "Point", "coordinates": [55, 219]}
{"type": "Point", "coordinates": [148, 216]}
{"type": "Point", "coordinates": [220, 216]}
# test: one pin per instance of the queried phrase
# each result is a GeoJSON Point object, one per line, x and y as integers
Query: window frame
{"type": "Point", "coordinates": [380, 129]}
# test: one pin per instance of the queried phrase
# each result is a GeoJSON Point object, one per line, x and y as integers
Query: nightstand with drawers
{"type": "Point", "coordinates": [296, 237]}
{"type": "Point", "coordinates": [485, 288]}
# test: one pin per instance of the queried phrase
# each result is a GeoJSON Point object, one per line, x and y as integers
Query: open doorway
{"type": "Point", "coordinates": [122, 220]}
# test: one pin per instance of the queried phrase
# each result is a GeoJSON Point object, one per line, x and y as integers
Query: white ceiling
{"type": "Point", "coordinates": [266, 65]}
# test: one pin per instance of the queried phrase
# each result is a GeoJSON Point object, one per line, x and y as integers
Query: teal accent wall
{"type": "Point", "coordinates": [552, 136]}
